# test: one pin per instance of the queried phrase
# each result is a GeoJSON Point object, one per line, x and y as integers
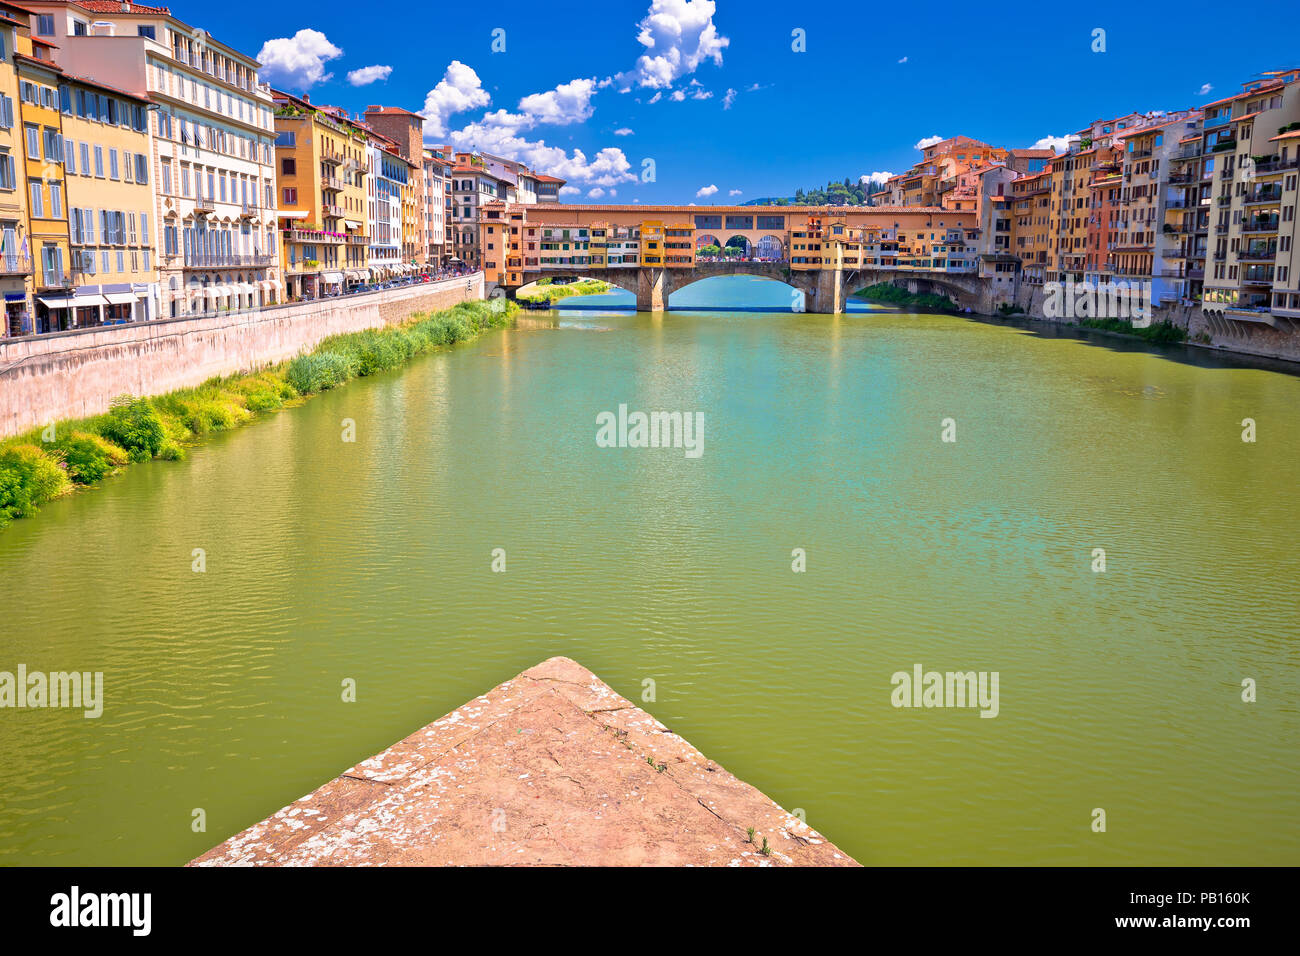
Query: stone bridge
{"type": "Point", "coordinates": [825, 291]}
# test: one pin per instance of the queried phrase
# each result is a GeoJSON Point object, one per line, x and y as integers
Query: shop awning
{"type": "Point", "coordinates": [120, 298]}
{"type": "Point", "coordinates": [72, 301]}
{"type": "Point", "coordinates": [351, 224]}
{"type": "Point", "coordinates": [332, 278]}
{"type": "Point", "coordinates": [55, 301]}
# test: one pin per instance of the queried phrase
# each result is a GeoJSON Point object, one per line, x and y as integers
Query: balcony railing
{"type": "Point", "coordinates": [219, 260]}
{"type": "Point", "coordinates": [1263, 196]}
{"type": "Point", "coordinates": [331, 183]}
{"type": "Point", "coordinates": [312, 235]}
{"type": "Point", "coordinates": [15, 265]}
{"type": "Point", "coordinates": [1260, 224]}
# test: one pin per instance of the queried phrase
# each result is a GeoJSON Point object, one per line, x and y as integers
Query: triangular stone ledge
{"type": "Point", "coordinates": [551, 768]}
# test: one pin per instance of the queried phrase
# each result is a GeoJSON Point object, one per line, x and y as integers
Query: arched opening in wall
{"type": "Point", "coordinates": [174, 288]}
{"type": "Point", "coordinates": [770, 249]}
{"type": "Point", "coordinates": [738, 247]}
{"type": "Point", "coordinates": [707, 248]}
{"type": "Point", "coordinates": [576, 291]}
{"type": "Point", "coordinates": [737, 293]}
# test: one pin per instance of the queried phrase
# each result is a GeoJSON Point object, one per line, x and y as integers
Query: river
{"type": "Point", "coordinates": [370, 561]}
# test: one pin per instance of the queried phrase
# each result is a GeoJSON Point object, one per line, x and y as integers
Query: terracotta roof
{"type": "Point", "coordinates": [390, 109]}
{"type": "Point", "coordinates": [115, 6]}
{"type": "Point", "coordinates": [546, 179]}
{"type": "Point", "coordinates": [1290, 134]}
{"type": "Point", "coordinates": [91, 81]}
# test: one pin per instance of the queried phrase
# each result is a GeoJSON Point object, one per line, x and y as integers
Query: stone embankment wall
{"type": "Point", "coordinates": [1221, 334]}
{"type": "Point", "coordinates": [74, 374]}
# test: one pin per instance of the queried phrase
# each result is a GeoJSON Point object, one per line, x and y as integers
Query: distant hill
{"type": "Point", "coordinates": [845, 193]}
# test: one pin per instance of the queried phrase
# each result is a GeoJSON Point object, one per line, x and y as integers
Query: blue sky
{"type": "Point", "coordinates": [574, 93]}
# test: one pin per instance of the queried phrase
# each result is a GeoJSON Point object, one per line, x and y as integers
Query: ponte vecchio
{"type": "Point", "coordinates": [824, 251]}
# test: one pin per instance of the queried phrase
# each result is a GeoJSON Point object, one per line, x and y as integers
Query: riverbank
{"type": "Point", "coordinates": [550, 768]}
{"type": "Point", "coordinates": [59, 458]}
{"type": "Point", "coordinates": [886, 293]}
{"type": "Point", "coordinates": [545, 291]}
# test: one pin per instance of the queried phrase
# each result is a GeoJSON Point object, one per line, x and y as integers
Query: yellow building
{"type": "Point", "coordinates": [110, 202]}
{"type": "Point", "coordinates": [320, 159]}
{"type": "Point", "coordinates": [47, 210]}
{"type": "Point", "coordinates": [15, 250]}
{"type": "Point", "coordinates": [1031, 198]}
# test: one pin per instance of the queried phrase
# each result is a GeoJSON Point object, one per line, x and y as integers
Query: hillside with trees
{"type": "Point", "coordinates": [835, 193]}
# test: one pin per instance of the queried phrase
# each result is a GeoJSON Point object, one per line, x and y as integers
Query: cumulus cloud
{"type": "Point", "coordinates": [298, 61]}
{"type": "Point", "coordinates": [606, 168]}
{"type": "Point", "coordinates": [928, 141]}
{"type": "Point", "coordinates": [733, 192]}
{"type": "Point", "coordinates": [728, 98]}
{"type": "Point", "coordinates": [569, 190]}
{"type": "Point", "coordinates": [677, 96]}
{"type": "Point", "coordinates": [657, 97]}
{"type": "Point", "coordinates": [705, 191]}
{"type": "Point", "coordinates": [1205, 89]}
{"type": "Point", "coordinates": [369, 74]}
{"type": "Point", "coordinates": [1058, 143]}
{"type": "Point", "coordinates": [623, 131]}
{"type": "Point", "coordinates": [702, 95]}
{"type": "Point", "coordinates": [567, 103]}
{"type": "Point", "coordinates": [459, 89]}
{"type": "Point", "coordinates": [878, 178]}
{"type": "Point", "coordinates": [595, 193]}
{"type": "Point", "coordinates": [678, 36]}
{"type": "Point", "coordinates": [902, 59]}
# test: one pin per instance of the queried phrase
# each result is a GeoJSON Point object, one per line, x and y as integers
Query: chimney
{"type": "Point", "coordinates": [306, 98]}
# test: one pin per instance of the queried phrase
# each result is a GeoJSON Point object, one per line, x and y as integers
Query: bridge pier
{"type": "Point", "coordinates": [653, 287]}
{"type": "Point", "coordinates": [828, 293]}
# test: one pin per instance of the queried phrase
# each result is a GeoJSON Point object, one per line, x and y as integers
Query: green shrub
{"type": "Point", "coordinates": [88, 458]}
{"type": "Point", "coordinates": [133, 424]}
{"type": "Point", "coordinates": [319, 371]}
{"type": "Point", "coordinates": [28, 478]}
{"type": "Point", "coordinates": [171, 451]}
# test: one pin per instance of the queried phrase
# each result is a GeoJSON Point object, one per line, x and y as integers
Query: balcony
{"type": "Point", "coordinates": [330, 211]}
{"type": "Point", "coordinates": [220, 260]}
{"type": "Point", "coordinates": [1258, 254]}
{"type": "Point", "coordinates": [53, 279]}
{"type": "Point", "coordinates": [205, 205]}
{"type": "Point", "coordinates": [334, 159]}
{"type": "Point", "coordinates": [1276, 165]}
{"type": "Point", "coordinates": [331, 184]}
{"type": "Point", "coordinates": [1260, 224]}
{"type": "Point", "coordinates": [1272, 195]}
{"type": "Point", "coordinates": [15, 265]}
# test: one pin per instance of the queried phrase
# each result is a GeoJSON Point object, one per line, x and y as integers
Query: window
{"type": "Point", "coordinates": [144, 31]}
{"type": "Point", "coordinates": [38, 202]}
{"type": "Point", "coordinates": [290, 196]}
{"type": "Point", "coordinates": [33, 142]}
{"type": "Point", "coordinates": [70, 157]}
{"type": "Point", "coordinates": [167, 179]}
{"type": "Point", "coordinates": [85, 159]}
{"type": "Point", "coordinates": [112, 165]}
{"type": "Point", "coordinates": [289, 166]}
{"type": "Point", "coordinates": [7, 178]}
{"type": "Point", "coordinates": [53, 145]}
{"type": "Point", "coordinates": [56, 200]}
{"type": "Point", "coordinates": [99, 161]}
{"type": "Point", "coordinates": [45, 25]}
{"type": "Point", "coordinates": [142, 169]}
{"type": "Point", "coordinates": [6, 112]}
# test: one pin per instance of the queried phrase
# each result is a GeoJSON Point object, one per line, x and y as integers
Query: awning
{"type": "Point", "coordinates": [351, 224]}
{"type": "Point", "coordinates": [55, 301]}
{"type": "Point", "coordinates": [331, 278]}
{"type": "Point", "coordinates": [292, 213]}
{"type": "Point", "coordinates": [120, 298]}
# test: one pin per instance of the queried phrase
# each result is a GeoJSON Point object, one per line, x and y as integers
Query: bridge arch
{"type": "Point", "coordinates": [794, 287]}
{"type": "Point", "coordinates": [770, 248]}
{"type": "Point", "coordinates": [739, 246]}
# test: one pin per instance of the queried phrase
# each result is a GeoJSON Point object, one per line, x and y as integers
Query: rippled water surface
{"type": "Point", "coordinates": [371, 561]}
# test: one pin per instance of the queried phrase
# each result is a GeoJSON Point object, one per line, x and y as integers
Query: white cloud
{"type": "Point", "coordinates": [567, 103]}
{"type": "Point", "coordinates": [928, 141]}
{"type": "Point", "coordinates": [702, 95]}
{"type": "Point", "coordinates": [369, 74]}
{"type": "Point", "coordinates": [595, 193]}
{"type": "Point", "coordinates": [459, 89]}
{"type": "Point", "coordinates": [705, 191]}
{"type": "Point", "coordinates": [298, 61]}
{"type": "Point", "coordinates": [657, 97]}
{"type": "Point", "coordinates": [677, 96]}
{"type": "Point", "coordinates": [1204, 89]}
{"type": "Point", "coordinates": [728, 98]}
{"type": "Point", "coordinates": [623, 131]}
{"type": "Point", "coordinates": [874, 177]}
{"type": "Point", "coordinates": [569, 190]}
{"type": "Point", "coordinates": [613, 193]}
{"type": "Point", "coordinates": [1058, 143]}
{"type": "Point", "coordinates": [678, 36]}
{"type": "Point", "coordinates": [733, 192]}
{"type": "Point", "coordinates": [902, 59]}
{"type": "Point", "coordinates": [754, 87]}
{"type": "Point", "coordinates": [606, 168]}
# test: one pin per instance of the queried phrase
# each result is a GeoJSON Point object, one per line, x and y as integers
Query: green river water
{"type": "Point", "coordinates": [371, 560]}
